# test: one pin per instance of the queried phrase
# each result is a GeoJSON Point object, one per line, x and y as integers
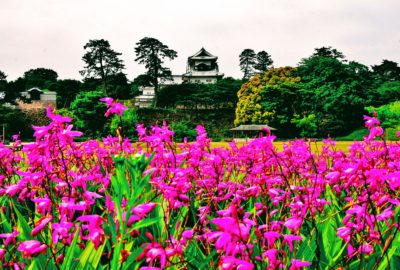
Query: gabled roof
{"type": "Point", "coordinates": [203, 54]}
{"type": "Point", "coordinates": [252, 128]}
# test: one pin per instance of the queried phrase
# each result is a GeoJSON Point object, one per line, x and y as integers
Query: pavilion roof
{"type": "Point", "coordinates": [252, 128]}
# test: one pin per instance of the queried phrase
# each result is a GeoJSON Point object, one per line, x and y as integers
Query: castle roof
{"type": "Point", "coordinates": [202, 54]}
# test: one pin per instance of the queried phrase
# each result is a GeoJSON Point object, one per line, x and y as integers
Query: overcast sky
{"type": "Point", "coordinates": [51, 33]}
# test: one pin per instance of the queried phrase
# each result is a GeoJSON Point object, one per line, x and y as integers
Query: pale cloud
{"type": "Point", "coordinates": [49, 33]}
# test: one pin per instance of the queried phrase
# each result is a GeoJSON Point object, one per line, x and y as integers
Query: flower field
{"type": "Point", "coordinates": [118, 205]}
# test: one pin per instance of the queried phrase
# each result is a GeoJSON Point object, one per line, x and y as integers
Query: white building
{"type": "Point", "coordinates": [146, 98]}
{"type": "Point", "coordinates": [202, 67]}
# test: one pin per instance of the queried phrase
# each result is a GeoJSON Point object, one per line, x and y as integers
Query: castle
{"type": "Point", "coordinates": [202, 67]}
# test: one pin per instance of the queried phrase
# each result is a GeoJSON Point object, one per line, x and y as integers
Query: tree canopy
{"type": "Point", "coordinates": [247, 61]}
{"type": "Point", "coordinates": [151, 53]}
{"type": "Point", "coordinates": [263, 61]}
{"type": "Point", "coordinates": [39, 77]}
{"type": "Point", "coordinates": [101, 61]}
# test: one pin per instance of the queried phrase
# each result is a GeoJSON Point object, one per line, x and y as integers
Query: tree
{"type": "Point", "coordinates": [247, 60]}
{"type": "Point", "coordinates": [329, 52]}
{"type": "Point", "coordinates": [89, 112]}
{"type": "Point", "coordinates": [263, 61]}
{"type": "Point", "coordinates": [3, 85]}
{"type": "Point", "coordinates": [150, 52]}
{"type": "Point", "coordinates": [101, 61]}
{"type": "Point", "coordinates": [335, 92]}
{"type": "Point", "coordinates": [269, 98]}
{"type": "Point", "coordinates": [66, 91]}
{"type": "Point", "coordinates": [39, 77]}
{"type": "Point", "coordinates": [386, 71]}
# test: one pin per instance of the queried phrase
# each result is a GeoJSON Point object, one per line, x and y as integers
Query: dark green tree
{"type": "Point", "coordinates": [3, 85]}
{"type": "Point", "coordinates": [66, 91]}
{"type": "Point", "coordinates": [263, 61]}
{"type": "Point", "coordinates": [89, 112]}
{"type": "Point", "coordinates": [119, 87]}
{"type": "Point", "coordinates": [40, 77]}
{"type": "Point", "coordinates": [386, 71]}
{"type": "Point", "coordinates": [151, 53]}
{"type": "Point", "coordinates": [329, 52]}
{"type": "Point", "coordinates": [101, 61]}
{"type": "Point", "coordinates": [12, 91]}
{"type": "Point", "coordinates": [247, 60]}
{"type": "Point", "coordinates": [335, 92]}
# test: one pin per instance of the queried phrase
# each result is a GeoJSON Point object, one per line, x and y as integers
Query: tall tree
{"type": "Point", "coordinates": [247, 60]}
{"type": "Point", "coordinates": [329, 52]}
{"type": "Point", "coordinates": [39, 77]}
{"type": "Point", "coordinates": [150, 52]}
{"type": "Point", "coordinates": [386, 71]}
{"type": "Point", "coordinates": [101, 61]}
{"type": "Point", "coordinates": [3, 84]}
{"type": "Point", "coordinates": [263, 61]}
{"type": "Point", "coordinates": [66, 92]}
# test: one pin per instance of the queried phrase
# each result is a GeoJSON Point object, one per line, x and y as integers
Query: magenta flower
{"type": "Point", "coordinates": [10, 237]}
{"type": "Point", "coordinates": [31, 248]}
{"type": "Point", "coordinates": [94, 228]}
{"type": "Point", "coordinates": [107, 100]}
{"type": "Point", "coordinates": [289, 238]}
{"type": "Point", "coordinates": [113, 107]}
{"type": "Point", "coordinates": [61, 230]}
{"type": "Point", "coordinates": [41, 224]}
{"type": "Point", "coordinates": [298, 264]}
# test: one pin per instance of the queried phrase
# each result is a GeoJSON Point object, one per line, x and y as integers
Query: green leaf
{"type": "Point", "coordinates": [69, 256]}
{"type": "Point", "coordinates": [90, 257]}
{"type": "Point", "coordinates": [146, 222]}
{"type": "Point", "coordinates": [22, 225]}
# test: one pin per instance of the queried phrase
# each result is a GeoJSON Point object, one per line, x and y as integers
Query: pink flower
{"type": "Point", "coordinates": [297, 264]}
{"type": "Point", "coordinates": [365, 248]}
{"type": "Point", "coordinates": [61, 230]}
{"type": "Point", "coordinates": [2, 253]}
{"type": "Point", "coordinates": [113, 107]}
{"type": "Point", "coordinates": [41, 224]}
{"type": "Point", "coordinates": [289, 238]}
{"type": "Point", "coordinates": [10, 237]}
{"type": "Point", "coordinates": [94, 228]}
{"type": "Point", "coordinates": [31, 248]}
{"type": "Point", "coordinates": [293, 223]}
{"type": "Point", "coordinates": [107, 100]}
{"type": "Point", "coordinates": [371, 121]}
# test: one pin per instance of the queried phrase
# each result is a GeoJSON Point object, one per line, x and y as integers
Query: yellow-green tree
{"type": "Point", "coordinates": [268, 98]}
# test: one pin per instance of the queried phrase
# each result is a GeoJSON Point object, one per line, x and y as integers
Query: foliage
{"type": "Point", "coordinates": [387, 71]}
{"type": "Point", "coordinates": [222, 94]}
{"type": "Point", "coordinates": [335, 92]}
{"type": "Point", "coordinates": [263, 61]}
{"type": "Point", "coordinates": [155, 205]}
{"type": "Point", "coordinates": [101, 61]}
{"type": "Point", "coordinates": [128, 124]}
{"type": "Point", "coordinates": [307, 124]}
{"type": "Point", "coordinates": [329, 52]}
{"type": "Point", "coordinates": [89, 113]}
{"type": "Point", "coordinates": [66, 91]}
{"type": "Point", "coordinates": [247, 61]}
{"type": "Point", "coordinates": [389, 114]}
{"type": "Point", "coordinates": [151, 53]}
{"type": "Point", "coordinates": [183, 130]}
{"type": "Point", "coordinates": [388, 92]}
{"type": "Point", "coordinates": [268, 99]}
{"type": "Point", "coordinates": [39, 77]}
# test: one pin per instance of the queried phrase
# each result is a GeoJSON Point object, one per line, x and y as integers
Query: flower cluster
{"type": "Point", "coordinates": [156, 204]}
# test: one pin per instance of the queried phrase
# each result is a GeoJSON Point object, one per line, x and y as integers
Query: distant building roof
{"type": "Point", "coordinates": [252, 128]}
{"type": "Point", "coordinates": [202, 54]}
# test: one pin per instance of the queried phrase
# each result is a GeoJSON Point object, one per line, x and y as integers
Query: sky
{"type": "Point", "coordinates": [52, 33]}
